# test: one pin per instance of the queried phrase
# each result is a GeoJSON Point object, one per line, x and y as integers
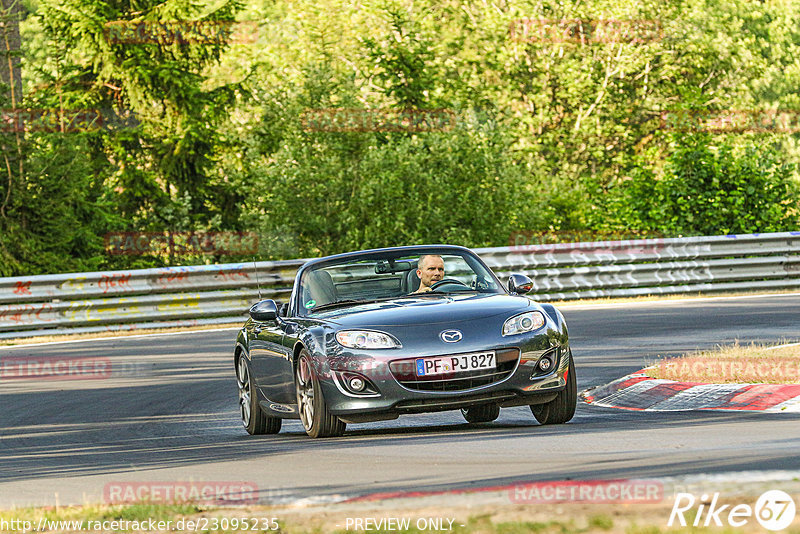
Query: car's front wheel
{"type": "Point", "coordinates": [562, 408]}
{"type": "Point", "coordinates": [485, 413]}
{"type": "Point", "coordinates": [254, 419]}
{"type": "Point", "coordinates": [317, 421]}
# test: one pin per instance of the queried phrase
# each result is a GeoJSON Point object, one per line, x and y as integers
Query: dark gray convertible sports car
{"type": "Point", "coordinates": [370, 335]}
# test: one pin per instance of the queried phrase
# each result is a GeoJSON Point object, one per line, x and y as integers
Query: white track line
{"type": "Point", "coordinates": [669, 301]}
{"type": "Point", "coordinates": [781, 346]}
{"type": "Point", "coordinates": [22, 346]}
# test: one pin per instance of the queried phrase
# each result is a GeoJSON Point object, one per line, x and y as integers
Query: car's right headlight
{"type": "Point", "coordinates": [366, 339]}
{"type": "Point", "coordinates": [525, 322]}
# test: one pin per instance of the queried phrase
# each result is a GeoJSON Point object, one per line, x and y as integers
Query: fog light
{"type": "Point", "coordinates": [356, 384]}
{"type": "Point", "coordinates": [545, 364]}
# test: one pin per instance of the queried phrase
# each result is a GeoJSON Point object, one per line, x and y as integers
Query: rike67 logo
{"type": "Point", "coordinates": [774, 510]}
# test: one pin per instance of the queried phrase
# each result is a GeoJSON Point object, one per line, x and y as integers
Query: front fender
{"type": "Point", "coordinates": [555, 314]}
{"type": "Point", "coordinates": [241, 344]}
{"type": "Point", "coordinates": [314, 341]}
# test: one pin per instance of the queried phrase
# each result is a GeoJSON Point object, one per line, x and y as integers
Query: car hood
{"type": "Point", "coordinates": [411, 311]}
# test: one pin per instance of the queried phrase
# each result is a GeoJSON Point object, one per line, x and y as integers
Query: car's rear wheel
{"type": "Point", "coordinates": [254, 419]}
{"type": "Point", "coordinates": [485, 413]}
{"type": "Point", "coordinates": [317, 421]}
{"type": "Point", "coordinates": [562, 408]}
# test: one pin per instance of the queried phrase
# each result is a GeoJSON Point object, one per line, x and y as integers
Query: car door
{"type": "Point", "coordinates": [271, 361]}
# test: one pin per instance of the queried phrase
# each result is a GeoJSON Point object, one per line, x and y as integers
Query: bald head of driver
{"type": "Point", "coordinates": [430, 269]}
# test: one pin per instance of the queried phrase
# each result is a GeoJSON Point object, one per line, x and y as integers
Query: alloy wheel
{"type": "Point", "coordinates": [245, 391]}
{"type": "Point", "coordinates": [305, 393]}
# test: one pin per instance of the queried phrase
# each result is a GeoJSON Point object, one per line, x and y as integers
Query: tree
{"type": "Point", "coordinates": [710, 190]}
{"type": "Point", "coordinates": [160, 78]}
{"type": "Point", "coordinates": [10, 44]}
{"type": "Point", "coordinates": [11, 140]}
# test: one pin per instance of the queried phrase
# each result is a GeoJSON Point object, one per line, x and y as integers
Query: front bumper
{"type": "Point", "coordinates": [522, 384]}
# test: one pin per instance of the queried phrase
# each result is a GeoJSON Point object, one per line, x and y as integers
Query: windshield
{"type": "Point", "coordinates": [357, 280]}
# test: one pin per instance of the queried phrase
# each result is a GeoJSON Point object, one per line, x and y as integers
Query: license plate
{"type": "Point", "coordinates": [456, 364]}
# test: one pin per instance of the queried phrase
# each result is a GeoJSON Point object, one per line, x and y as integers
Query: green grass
{"type": "Point", "coordinates": [601, 521]}
{"type": "Point", "coordinates": [143, 512]}
{"type": "Point", "coordinates": [523, 527]}
{"type": "Point", "coordinates": [635, 529]}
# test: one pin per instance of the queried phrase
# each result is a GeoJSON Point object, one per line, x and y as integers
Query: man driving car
{"type": "Point", "coordinates": [430, 269]}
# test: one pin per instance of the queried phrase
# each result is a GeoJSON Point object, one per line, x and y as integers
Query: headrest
{"type": "Point", "coordinates": [320, 287]}
{"type": "Point", "coordinates": [412, 281]}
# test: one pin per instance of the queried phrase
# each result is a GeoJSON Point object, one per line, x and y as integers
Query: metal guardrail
{"type": "Point", "coordinates": [654, 266]}
{"type": "Point", "coordinates": [215, 294]}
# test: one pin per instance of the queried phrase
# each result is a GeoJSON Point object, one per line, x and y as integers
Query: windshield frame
{"type": "Point", "coordinates": [469, 257]}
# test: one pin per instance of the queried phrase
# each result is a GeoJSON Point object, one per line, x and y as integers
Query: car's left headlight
{"type": "Point", "coordinates": [526, 322]}
{"type": "Point", "coordinates": [366, 339]}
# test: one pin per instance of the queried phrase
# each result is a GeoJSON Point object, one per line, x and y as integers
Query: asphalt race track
{"type": "Point", "coordinates": [168, 412]}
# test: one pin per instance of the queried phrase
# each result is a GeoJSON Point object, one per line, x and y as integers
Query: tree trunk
{"type": "Point", "coordinates": [10, 13]}
{"type": "Point", "coordinates": [10, 99]}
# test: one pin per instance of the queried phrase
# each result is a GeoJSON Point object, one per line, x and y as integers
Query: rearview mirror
{"type": "Point", "coordinates": [519, 284]}
{"type": "Point", "coordinates": [266, 310]}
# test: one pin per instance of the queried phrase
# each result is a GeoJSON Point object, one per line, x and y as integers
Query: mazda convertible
{"type": "Point", "coordinates": [371, 335]}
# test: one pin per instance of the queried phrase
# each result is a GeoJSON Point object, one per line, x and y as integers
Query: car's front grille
{"type": "Point", "coordinates": [405, 373]}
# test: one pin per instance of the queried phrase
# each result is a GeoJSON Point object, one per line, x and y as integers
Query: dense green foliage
{"type": "Point", "coordinates": [549, 134]}
{"type": "Point", "coordinates": [704, 188]}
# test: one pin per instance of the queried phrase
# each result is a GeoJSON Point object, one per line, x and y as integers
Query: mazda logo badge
{"type": "Point", "coordinates": [450, 336]}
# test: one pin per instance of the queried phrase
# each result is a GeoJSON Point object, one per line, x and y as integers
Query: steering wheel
{"type": "Point", "coordinates": [445, 281]}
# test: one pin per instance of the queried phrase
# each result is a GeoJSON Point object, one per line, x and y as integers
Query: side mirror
{"type": "Point", "coordinates": [519, 284]}
{"type": "Point", "coordinates": [266, 310]}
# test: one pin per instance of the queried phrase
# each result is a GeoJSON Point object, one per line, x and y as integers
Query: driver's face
{"type": "Point", "coordinates": [431, 271]}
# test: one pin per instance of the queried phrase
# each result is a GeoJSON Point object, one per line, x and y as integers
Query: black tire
{"type": "Point", "coordinates": [562, 408]}
{"type": "Point", "coordinates": [317, 420]}
{"type": "Point", "coordinates": [485, 413]}
{"type": "Point", "coordinates": [254, 419]}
